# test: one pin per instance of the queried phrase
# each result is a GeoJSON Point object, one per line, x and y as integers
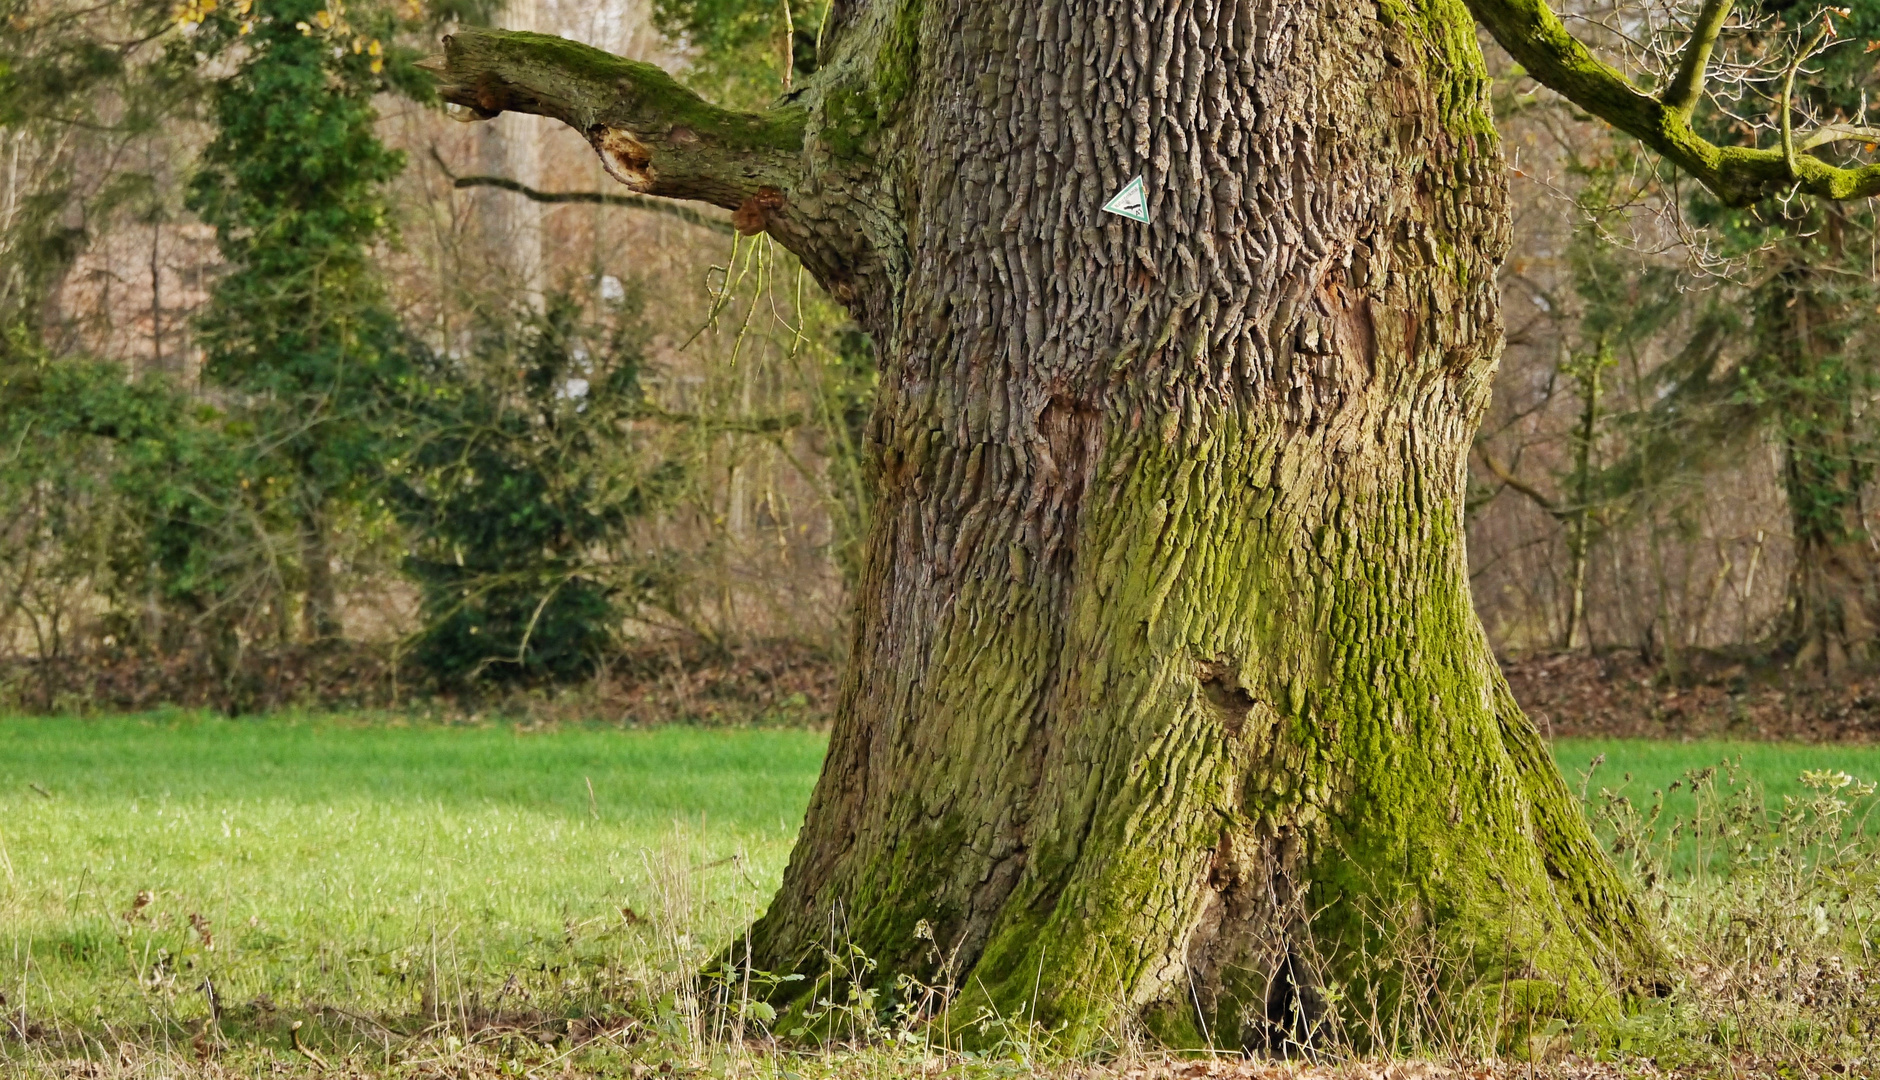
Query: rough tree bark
{"type": "Point", "coordinates": [1166, 698]}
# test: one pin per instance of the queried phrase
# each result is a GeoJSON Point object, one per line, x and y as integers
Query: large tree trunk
{"type": "Point", "coordinates": [1167, 698]}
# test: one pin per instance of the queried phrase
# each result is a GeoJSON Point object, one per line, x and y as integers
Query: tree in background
{"type": "Point", "coordinates": [1613, 307]}
{"type": "Point", "coordinates": [523, 470]}
{"type": "Point", "coordinates": [1782, 342]}
{"type": "Point", "coordinates": [134, 515]}
{"type": "Point", "coordinates": [297, 335]}
{"type": "Point", "coordinates": [79, 86]}
{"type": "Point", "coordinates": [294, 184]}
{"type": "Point", "coordinates": [1810, 366]}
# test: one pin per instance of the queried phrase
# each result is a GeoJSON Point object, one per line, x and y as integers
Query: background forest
{"type": "Point", "coordinates": [352, 403]}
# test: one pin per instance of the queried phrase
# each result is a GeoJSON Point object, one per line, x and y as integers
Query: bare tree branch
{"type": "Point", "coordinates": [603, 198]}
{"type": "Point", "coordinates": [1831, 133]}
{"type": "Point", "coordinates": [1509, 479]}
{"type": "Point", "coordinates": [771, 424]}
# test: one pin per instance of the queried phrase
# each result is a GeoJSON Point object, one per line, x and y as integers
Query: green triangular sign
{"type": "Point", "coordinates": [1131, 202]}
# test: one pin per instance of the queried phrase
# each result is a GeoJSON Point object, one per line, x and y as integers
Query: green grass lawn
{"type": "Point", "coordinates": [346, 862]}
{"type": "Point", "coordinates": [1654, 765]}
{"type": "Point", "coordinates": [380, 865]}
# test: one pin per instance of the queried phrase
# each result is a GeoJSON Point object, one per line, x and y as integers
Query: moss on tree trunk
{"type": "Point", "coordinates": [1167, 700]}
{"type": "Point", "coordinates": [1167, 695]}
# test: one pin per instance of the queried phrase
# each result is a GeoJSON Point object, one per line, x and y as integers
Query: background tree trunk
{"type": "Point", "coordinates": [320, 611]}
{"type": "Point", "coordinates": [1166, 696]}
{"type": "Point", "coordinates": [1834, 588]}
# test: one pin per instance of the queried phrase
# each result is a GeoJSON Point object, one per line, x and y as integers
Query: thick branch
{"type": "Point", "coordinates": [652, 134]}
{"type": "Point", "coordinates": [1533, 35]}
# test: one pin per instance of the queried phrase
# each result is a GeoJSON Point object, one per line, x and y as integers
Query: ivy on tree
{"type": "Point", "coordinates": [293, 183]}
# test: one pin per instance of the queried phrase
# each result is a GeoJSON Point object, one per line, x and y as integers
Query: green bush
{"type": "Point", "coordinates": [527, 463]}
{"type": "Point", "coordinates": [129, 491]}
{"type": "Point", "coordinates": [299, 328]}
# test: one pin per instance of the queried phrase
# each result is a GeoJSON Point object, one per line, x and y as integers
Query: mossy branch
{"type": "Point", "coordinates": [1534, 36]}
{"type": "Point", "coordinates": [1788, 96]}
{"type": "Point", "coordinates": [653, 135]}
{"type": "Point", "coordinates": [1688, 85]}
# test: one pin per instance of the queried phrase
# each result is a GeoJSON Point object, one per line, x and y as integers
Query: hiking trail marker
{"type": "Point", "coordinates": [1131, 202]}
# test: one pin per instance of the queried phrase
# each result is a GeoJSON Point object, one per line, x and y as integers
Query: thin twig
{"type": "Point", "coordinates": [1788, 92]}
{"type": "Point", "coordinates": [603, 198]}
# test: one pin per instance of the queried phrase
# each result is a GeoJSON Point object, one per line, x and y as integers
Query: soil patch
{"type": "Point", "coordinates": [1620, 695]}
